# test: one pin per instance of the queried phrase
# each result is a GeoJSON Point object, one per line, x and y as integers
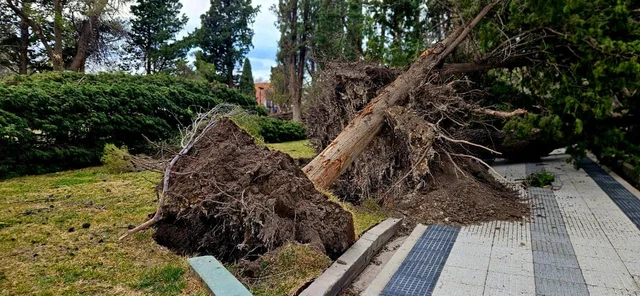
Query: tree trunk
{"type": "Point", "coordinates": [57, 60]}
{"type": "Point", "coordinates": [87, 35]}
{"type": "Point", "coordinates": [325, 168]}
{"type": "Point", "coordinates": [36, 29]}
{"type": "Point", "coordinates": [24, 47]}
{"type": "Point", "coordinates": [294, 88]}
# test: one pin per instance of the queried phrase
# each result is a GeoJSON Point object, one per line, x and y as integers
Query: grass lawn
{"type": "Point", "coordinates": [296, 149]}
{"type": "Point", "coordinates": [59, 236]}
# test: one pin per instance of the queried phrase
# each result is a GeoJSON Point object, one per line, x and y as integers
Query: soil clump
{"type": "Point", "coordinates": [233, 199]}
{"type": "Point", "coordinates": [417, 166]}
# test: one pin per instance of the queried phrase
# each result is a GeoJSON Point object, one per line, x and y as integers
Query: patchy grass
{"type": "Point", "coordinates": [46, 251]}
{"type": "Point", "coordinates": [297, 149]}
{"type": "Point", "coordinates": [365, 216]}
{"type": "Point", "coordinates": [284, 271]}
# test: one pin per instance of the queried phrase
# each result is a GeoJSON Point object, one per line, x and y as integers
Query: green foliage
{"type": "Point", "coordinates": [541, 179]}
{"type": "Point", "coordinates": [269, 129]}
{"type": "Point", "coordinates": [225, 35]}
{"type": "Point", "coordinates": [117, 160]}
{"type": "Point", "coordinates": [276, 130]}
{"type": "Point", "coordinates": [247, 86]}
{"type": "Point", "coordinates": [56, 121]}
{"type": "Point", "coordinates": [155, 24]}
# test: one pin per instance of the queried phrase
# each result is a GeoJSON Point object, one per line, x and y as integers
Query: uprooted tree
{"type": "Point", "coordinates": [409, 132]}
{"type": "Point", "coordinates": [216, 198]}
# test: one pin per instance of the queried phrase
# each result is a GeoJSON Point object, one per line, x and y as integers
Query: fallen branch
{"type": "Point", "coordinates": [482, 162]}
{"type": "Point", "coordinates": [501, 114]}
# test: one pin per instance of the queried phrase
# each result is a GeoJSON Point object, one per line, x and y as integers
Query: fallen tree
{"type": "Point", "coordinates": [212, 218]}
{"type": "Point", "coordinates": [349, 144]}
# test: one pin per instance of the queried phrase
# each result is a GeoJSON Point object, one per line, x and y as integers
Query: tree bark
{"type": "Point", "coordinates": [57, 35]}
{"type": "Point", "coordinates": [37, 30]}
{"type": "Point", "coordinates": [294, 89]}
{"type": "Point", "coordinates": [23, 67]}
{"type": "Point", "coordinates": [325, 168]}
{"type": "Point", "coordinates": [87, 35]}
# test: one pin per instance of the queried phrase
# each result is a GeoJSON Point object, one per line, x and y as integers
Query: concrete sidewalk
{"type": "Point", "coordinates": [583, 239]}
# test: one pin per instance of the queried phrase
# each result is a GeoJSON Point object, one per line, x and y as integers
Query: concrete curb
{"type": "Point", "coordinates": [394, 263]}
{"type": "Point", "coordinates": [342, 272]}
{"type": "Point", "coordinates": [216, 278]}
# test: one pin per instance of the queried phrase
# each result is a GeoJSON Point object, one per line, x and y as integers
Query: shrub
{"type": "Point", "coordinates": [276, 130]}
{"type": "Point", "coordinates": [540, 179]}
{"type": "Point", "coordinates": [269, 129]}
{"type": "Point", "coordinates": [62, 120]}
{"type": "Point", "coordinates": [117, 160]}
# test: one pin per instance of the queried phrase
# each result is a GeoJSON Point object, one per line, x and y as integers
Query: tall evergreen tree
{"type": "Point", "coordinates": [225, 35]}
{"type": "Point", "coordinates": [354, 30]}
{"type": "Point", "coordinates": [153, 28]}
{"type": "Point", "coordinates": [247, 86]}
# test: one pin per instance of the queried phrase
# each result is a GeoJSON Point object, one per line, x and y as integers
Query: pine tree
{"type": "Point", "coordinates": [225, 35]}
{"type": "Point", "coordinates": [154, 26]}
{"type": "Point", "coordinates": [354, 31]}
{"type": "Point", "coordinates": [247, 86]}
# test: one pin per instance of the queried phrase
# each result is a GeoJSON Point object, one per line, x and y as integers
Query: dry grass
{"type": "Point", "coordinates": [47, 251]}
{"type": "Point", "coordinates": [41, 255]}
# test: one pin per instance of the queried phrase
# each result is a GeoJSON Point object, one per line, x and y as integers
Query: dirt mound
{"type": "Point", "coordinates": [233, 199]}
{"type": "Point", "coordinates": [411, 167]}
{"type": "Point", "coordinates": [470, 199]}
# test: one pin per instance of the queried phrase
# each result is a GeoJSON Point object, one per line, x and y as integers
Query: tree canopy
{"type": "Point", "coordinates": [225, 35]}
{"type": "Point", "coordinates": [246, 85]}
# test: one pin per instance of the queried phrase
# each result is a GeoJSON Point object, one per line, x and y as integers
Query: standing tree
{"type": "Point", "coordinates": [79, 29]}
{"type": "Point", "coordinates": [225, 35]}
{"type": "Point", "coordinates": [246, 80]}
{"type": "Point", "coordinates": [295, 23]}
{"type": "Point", "coordinates": [154, 27]}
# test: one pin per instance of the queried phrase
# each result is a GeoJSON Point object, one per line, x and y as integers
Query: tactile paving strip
{"type": "Point", "coordinates": [421, 269]}
{"type": "Point", "coordinates": [555, 265]}
{"type": "Point", "coordinates": [626, 201]}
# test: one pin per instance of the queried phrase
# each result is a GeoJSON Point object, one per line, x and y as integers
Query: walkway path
{"type": "Point", "coordinates": [583, 239]}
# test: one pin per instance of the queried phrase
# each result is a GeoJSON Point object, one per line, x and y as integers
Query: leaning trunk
{"type": "Point", "coordinates": [325, 168]}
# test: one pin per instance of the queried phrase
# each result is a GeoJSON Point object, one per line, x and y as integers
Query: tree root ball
{"type": "Point", "coordinates": [233, 199]}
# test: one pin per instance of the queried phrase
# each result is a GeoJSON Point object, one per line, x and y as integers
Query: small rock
{"type": "Point", "coordinates": [522, 244]}
{"type": "Point", "coordinates": [446, 219]}
{"type": "Point", "coordinates": [341, 262]}
{"type": "Point", "coordinates": [72, 229]}
{"type": "Point", "coordinates": [86, 225]}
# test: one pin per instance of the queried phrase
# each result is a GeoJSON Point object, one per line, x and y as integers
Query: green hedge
{"type": "Point", "coordinates": [269, 129]}
{"type": "Point", "coordinates": [274, 130]}
{"type": "Point", "coordinates": [62, 120]}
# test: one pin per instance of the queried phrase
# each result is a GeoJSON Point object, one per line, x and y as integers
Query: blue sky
{"type": "Point", "coordinates": [265, 39]}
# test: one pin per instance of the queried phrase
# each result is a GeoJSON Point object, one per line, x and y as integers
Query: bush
{"type": "Point", "coordinates": [62, 120]}
{"type": "Point", "coordinates": [117, 160]}
{"type": "Point", "coordinates": [540, 179]}
{"type": "Point", "coordinates": [276, 130]}
{"type": "Point", "coordinates": [269, 129]}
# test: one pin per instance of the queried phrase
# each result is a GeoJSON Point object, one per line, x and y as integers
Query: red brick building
{"type": "Point", "coordinates": [262, 88]}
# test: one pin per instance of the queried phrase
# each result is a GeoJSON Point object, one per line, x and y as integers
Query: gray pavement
{"type": "Point", "coordinates": [582, 239]}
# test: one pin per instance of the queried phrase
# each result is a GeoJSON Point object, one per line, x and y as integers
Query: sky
{"type": "Point", "coordinates": [265, 38]}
